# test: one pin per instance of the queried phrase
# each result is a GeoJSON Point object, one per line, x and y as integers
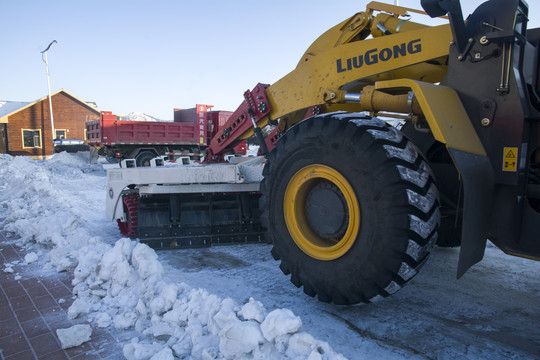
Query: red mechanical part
{"type": "Point", "coordinates": [239, 122]}
{"type": "Point", "coordinates": [130, 227]}
{"type": "Point", "coordinates": [314, 110]}
{"type": "Point", "coordinates": [273, 137]}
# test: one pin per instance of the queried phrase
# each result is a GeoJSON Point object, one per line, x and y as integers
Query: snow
{"type": "Point", "coordinates": [79, 307]}
{"type": "Point", "coordinates": [74, 336]}
{"type": "Point", "coordinates": [233, 302]}
{"type": "Point", "coordinates": [279, 323]}
{"type": "Point", "coordinates": [123, 284]}
{"type": "Point", "coordinates": [252, 150]}
{"type": "Point", "coordinates": [9, 107]}
{"type": "Point", "coordinates": [253, 310]}
{"type": "Point", "coordinates": [30, 257]}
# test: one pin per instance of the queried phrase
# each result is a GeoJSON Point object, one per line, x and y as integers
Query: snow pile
{"type": "Point", "coordinates": [40, 213]}
{"type": "Point", "coordinates": [139, 116]}
{"type": "Point", "coordinates": [123, 286]}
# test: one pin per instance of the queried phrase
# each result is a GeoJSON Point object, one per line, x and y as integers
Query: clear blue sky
{"type": "Point", "coordinates": [153, 56]}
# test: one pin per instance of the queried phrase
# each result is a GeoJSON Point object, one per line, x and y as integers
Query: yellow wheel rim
{"type": "Point", "coordinates": [294, 208]}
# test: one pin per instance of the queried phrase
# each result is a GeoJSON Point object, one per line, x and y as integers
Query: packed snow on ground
{"type": "Point", "coordinates": [233, 302]}
{"type": "Point", "coordinates": [58, 204]}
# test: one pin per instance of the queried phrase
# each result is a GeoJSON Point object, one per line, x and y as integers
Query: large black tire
{"type": "Point", "coordinates": [448, 183]}
{"type": "Point", "coordinates": [143, 158]}
{"type": "Point", "coordinates": [112, 160]}
{"type": "Point", "coordinates": [350, 207]}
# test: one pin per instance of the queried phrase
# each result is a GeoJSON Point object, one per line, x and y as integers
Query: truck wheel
{"type": "Point", "coordinates": [143, 158]}
{"type": "Point", "coordinates": [350, 207]}
{"type": "Point", "coordinates": [112, 159]}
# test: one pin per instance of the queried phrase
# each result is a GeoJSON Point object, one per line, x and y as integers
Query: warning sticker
{"type": "Point", "coordinates": [510, 157]}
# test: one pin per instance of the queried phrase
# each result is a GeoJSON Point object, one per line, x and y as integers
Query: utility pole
{"type": "Point", "coordinates": [44, 58]}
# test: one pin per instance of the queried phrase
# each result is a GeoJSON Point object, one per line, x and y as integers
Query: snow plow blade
{"type": "Point", "coordinates": [188, 206]}
{"type": "Point", "coordinates": [199, 220]}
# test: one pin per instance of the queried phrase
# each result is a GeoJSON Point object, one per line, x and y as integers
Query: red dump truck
{"type": "Point", "coordinates": [189, 135]}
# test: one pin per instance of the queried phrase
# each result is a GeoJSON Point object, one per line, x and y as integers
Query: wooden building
{"type": "Point", "coordinates": [25, 128]}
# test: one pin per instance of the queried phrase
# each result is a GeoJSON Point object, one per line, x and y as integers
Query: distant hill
{"type": "Point", "coordinates": [139, 116]}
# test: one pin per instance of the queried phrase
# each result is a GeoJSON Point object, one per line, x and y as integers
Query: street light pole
{"type": "Point", "coordinates": [44, 58]}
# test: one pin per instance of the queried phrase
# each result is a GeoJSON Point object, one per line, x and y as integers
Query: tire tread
{"type": "Point", "coordinates": [411, 173]}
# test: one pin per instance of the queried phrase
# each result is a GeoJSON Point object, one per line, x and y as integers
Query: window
{"type": "Point", "coordinates": [31, 138]}
{"type": "Point", "coordinates": [60, 134]}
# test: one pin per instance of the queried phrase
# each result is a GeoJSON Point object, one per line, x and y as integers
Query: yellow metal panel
{"type": "Point", "coordinates": [444, 112]}
{"type": "Point", "coordinates": [393, 9]}
{"type": "Point", "coordinates": [327, 72]}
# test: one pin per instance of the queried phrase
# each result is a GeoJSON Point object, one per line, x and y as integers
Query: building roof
{"type": "Point", "coordinates": [8, 108]}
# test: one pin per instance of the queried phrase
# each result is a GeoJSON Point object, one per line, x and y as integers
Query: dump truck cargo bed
{"type": "Point", "coordinates": [109, 131]}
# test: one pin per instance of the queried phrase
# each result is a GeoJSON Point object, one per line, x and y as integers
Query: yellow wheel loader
{"type": "Point", "coordinates": [390, 136]}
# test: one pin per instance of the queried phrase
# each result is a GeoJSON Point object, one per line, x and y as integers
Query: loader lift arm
{"type": "Point", "coordinates": [330, 68]}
